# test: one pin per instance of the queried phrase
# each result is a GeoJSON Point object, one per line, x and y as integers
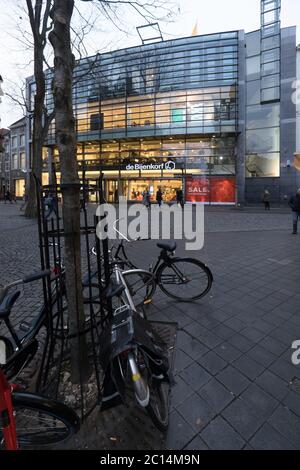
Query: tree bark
{"type": "Point", "coordinates": [36, 163]}
{"type": "Point", "coordinates": [70, 185]}
{"type": "Point", "coordinates": [38, 19]}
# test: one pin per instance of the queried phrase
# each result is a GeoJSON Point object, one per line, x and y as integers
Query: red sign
{"type": "Point", "coordinates": [213, 189]}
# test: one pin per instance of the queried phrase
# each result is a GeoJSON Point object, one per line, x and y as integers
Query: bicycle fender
{"type": "Point", "coordinates": [177, 259]}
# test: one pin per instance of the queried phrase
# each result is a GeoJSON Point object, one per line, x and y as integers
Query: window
{"type": "Point", "coordinates": [14, 142]}
{"type": "Point", "coordinates": [270, 43]}
{"type": "Point", "coordinates": [270, 94]}
{"type": "Point", "coordinates": [271, 55]}
{"type": "Point", "coordinates": [263, 116]}
{"type": "Point", "coordinates": [22, 140]}
{"type": "Point", "coordinates": [263, 140]}
{"type": "Point", "coordinates": [270, 81]}
{"type": "Point", "coordinates": [22, 160]}
{"type": "Point", "coordinates": [14, 161]}
{"type": "Point", "coordinates": [253, 43]}
{"type": "Point", "coordinates": [253, 92]}
{"type": "Point", "coordinates": [270, 68]}
{"type": "Point", "coordinates": [253, 68]}
{"type": "Point", "coordinates": [96, 122]}
{"type": "Point", "coordinates": [263, 165]}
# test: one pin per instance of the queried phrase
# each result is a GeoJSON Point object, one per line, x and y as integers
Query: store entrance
{"type": "Point", "coordinates": [133, 189]}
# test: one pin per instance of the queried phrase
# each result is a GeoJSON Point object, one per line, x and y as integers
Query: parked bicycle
{"type": "Point", "coordinates": [132, 354]}
{"type": "Point", "coordinates": [28, 420]}
{"type": "Point", "coordinates": [183, 279]}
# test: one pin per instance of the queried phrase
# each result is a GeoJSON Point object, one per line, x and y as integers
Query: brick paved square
{"type": "Point", "coordinates": [233, 380]}
{"type": "Point", "coordinates": [196, 412]}
{"type": "Point", "coordinates": [216, 395]}
{"type": "Point", "coordinates": [243, 419]}
{"type": "Point", "coordinates": [233, 352]}
{"type": "Point", "coordinates": [219, 435]}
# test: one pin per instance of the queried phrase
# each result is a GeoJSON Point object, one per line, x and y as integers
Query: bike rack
{"type": "Point", "coordinates": [54, 375]}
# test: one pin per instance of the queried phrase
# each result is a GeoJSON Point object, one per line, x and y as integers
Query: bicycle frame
{"type": "Point", "coordinates": [162, 257]}
{"type": "Point", "coordinates": [6, 413]}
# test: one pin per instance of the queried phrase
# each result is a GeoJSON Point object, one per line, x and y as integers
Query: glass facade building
{"type": "Point", "coordinates": [203, 113]}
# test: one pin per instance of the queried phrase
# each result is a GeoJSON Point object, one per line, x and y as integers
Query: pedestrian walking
{"type": "Point", "coordinates": [25, 200]}
{"type": "Point", "coordinates": [179, 198]}
{"type": "Point", "coordinates": [266, 200]}
{"type": "Point", "coordinates": [146, 198]}
{"type": "Point", "coordinates": [50, 205]}
{"type": "Point", "coordinates": [7, 197]}
{"type": "Point", "coordinates": [294, 204]}
{"type": "Point", "coordinates": [159, 197]}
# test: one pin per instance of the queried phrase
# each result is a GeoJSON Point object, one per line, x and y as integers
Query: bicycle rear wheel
{"type": "Point", "coordinates": [42, 422]}
{"type": "Point", "coordinates": [185, 279]}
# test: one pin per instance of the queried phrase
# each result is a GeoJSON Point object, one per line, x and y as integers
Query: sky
{"type": "Point", "coordinates": [210, 15]}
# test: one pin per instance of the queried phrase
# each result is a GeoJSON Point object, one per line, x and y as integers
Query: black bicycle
{"type": "Point", "coordinates": [183, 279]}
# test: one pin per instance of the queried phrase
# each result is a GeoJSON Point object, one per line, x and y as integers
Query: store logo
{"type": "Point", "coordinates": [168, 166]}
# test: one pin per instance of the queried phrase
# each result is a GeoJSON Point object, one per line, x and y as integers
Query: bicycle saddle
{"type": "Point", "coordinates": [167, 246]}
{"type": "Point", "coordinates": [7, 303]}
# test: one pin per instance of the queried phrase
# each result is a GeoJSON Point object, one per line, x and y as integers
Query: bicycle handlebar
{"type": "Point", "coordinates": [36, 276]}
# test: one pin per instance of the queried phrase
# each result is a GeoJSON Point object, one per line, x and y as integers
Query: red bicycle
{"type": "Point", "coordinates": [28, 420]}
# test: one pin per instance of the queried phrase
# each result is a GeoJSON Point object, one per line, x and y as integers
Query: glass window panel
{"type": "Point", "coordinates": [263, 140]}
{"type": "Point", "coordinates": [270, 94]}
{"type": "Point", "coordinates": [253, 43]}
{"type": "Point", "coordinates": [270, 81]}
{"type": "Point", "coordinates": [270, 43]}
{"type": "Point", "coordinates": [269, 5]}
{"type": "Point", "coordinates": [270, 16]}
{"type": "Point", "coordinates": [270, 30]}
{"type": "Point", "coordinates": [271, 55]}
{"type": "Point", "coordinates": [253, 92]}
{"type": "Point", "coordinates": [253, 68]}
{"type": "Point", "coordinates": [270, 68]}
{"type": "Point", "coordinates": [263, 165]}
{"type": "Point", "coordinates": [263, 116]}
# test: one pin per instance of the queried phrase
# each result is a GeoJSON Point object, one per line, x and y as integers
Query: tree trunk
{"type": "Point", "coordinates": [70, 185]}
{"type": "Point", "coordinates": [37, 135]}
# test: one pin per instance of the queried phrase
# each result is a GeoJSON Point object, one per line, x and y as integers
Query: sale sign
{"type": "Point", "coordinates": [210, 190]}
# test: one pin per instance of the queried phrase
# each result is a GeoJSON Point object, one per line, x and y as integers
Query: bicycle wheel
{"type": "Point", "coordinates": [141, 285]}
{"type": "Point", "coordinates": [42, 422]}
{"type": "Point", "coordinates": [158, 406]}
{"type": "Point", "coordinates": [184, 279]}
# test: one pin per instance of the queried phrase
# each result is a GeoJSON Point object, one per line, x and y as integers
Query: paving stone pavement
{"type": "Point", "coordinates": [233, 371]}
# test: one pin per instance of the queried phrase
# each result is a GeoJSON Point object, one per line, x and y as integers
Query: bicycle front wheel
{"type": "Point", "coordinates": [185, 279]}
{"type": "Point", "coordinates": [41, 421]}
{"type": "Point", "coordinates": [141, 285]}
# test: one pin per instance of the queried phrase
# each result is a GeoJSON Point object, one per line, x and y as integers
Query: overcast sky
{"type": "Point", "coordinates": [210, 15]}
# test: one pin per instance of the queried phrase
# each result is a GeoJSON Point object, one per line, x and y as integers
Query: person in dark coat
{"type": "Point", "coordinates": [7, 197]}
{"type": "Point", "coordinates": [179, 197]}
{"type": "Point", "coordinates": [159, 197]}
{"type": "Point", "coordinates": [294, 204]}
{"type": "Point", "coordinates": [266, 200]}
